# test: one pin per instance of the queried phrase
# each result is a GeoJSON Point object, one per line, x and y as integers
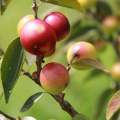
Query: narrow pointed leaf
{"type": "Point", "coordinates": [75, 4]}
{"type": "Point", "coordinates": [30, 59]}
{"type": "Point", "coordinates": [90, 62]}
{"type": "Point", "coordinates": [11, 66]}
{"type": "Point", "coordinates": [4, 4]}
{"type": "Point", "coordinates": [31, 100]}
{"type": "Point", "coordinates": [113, 105]}
{"type": "Point", "coordinates": [80, 117]}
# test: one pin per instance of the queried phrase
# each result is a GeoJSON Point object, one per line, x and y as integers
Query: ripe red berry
{"type": "Point", "coordinates": [59, 23]}
{"type": "Point", "coordinates": [54, 78]}
{"type": "Point", "coordinates": [37, 37]}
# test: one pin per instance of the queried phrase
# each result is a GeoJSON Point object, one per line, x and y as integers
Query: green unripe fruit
{"type": "Point", "coordinates": [54, 78]}
{"type": "Point", "coordinates": [81, 49]}
{"type": "Point", "coordinates": [115, 71]}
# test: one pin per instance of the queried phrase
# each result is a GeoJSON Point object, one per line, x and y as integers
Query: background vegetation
{"type": "Point", "coordinates": [84, 89]}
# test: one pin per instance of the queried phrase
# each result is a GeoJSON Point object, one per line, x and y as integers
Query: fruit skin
{"type": "Point", "coordinates": [28, 118]}
{"type": "Point", "coordinates": [23, 21]}
{"type": "Point", "coordinates": [87, 3]}
{"type": "Point", "coordinates": [50, 53]}
{"type": "Point", "coordinates": [59, 23]}
{"type": "Point", "coordinates": [54, 78]}
{"type": "Point", "coordinates": [37, 37]}
{"type": "Point", "coordinates": [82, 49]}
{"type": "Point", "coordinates": [109, 24]}
{"type": "Point", "coordinates": [115, 71]}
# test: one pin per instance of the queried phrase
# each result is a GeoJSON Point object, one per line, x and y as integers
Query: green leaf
{"type": "Point", "coordinates": [30, 59]}
{"type": "Point", "coordinates": [66, 3]}
{"type": "Point", "coordinates": [90, 62]}
{"type": "Point", "coordinates": [80, 117]}
{"type": "Point", "coordinates": [113, 105]}
{"type": "Point", "coordinates": [31, 100]}
{"type": "Point", "coordinates": [11, 66]}
{"type": "Point", "coordinates": [4, 4]}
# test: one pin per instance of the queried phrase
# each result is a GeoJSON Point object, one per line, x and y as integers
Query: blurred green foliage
{"type": "Point", "coordinates": [81, 93]}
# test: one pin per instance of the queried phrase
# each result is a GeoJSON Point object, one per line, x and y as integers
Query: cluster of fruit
{"type": "Point", "coordinates": [39, 37]}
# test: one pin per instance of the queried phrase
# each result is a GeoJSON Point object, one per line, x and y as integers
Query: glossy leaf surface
{"type": "Point", "coordinates": [31, 100]}
{"type": "Point", "coordinates": [11, 66]}
{"type": "Point", "coordinates": [80, 117]}
{"type": "Point", "coordinates": [75, 4]}
{"type": "Point", "coordinates": [4, 4]}
{"type": "Point", "coordinates": [113, 105]}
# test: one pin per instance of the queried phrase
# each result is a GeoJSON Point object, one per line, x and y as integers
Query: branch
{"type": "Point", "coordinates": [65, 105]}
{"type": "Point", "coordinates": [7, 116]}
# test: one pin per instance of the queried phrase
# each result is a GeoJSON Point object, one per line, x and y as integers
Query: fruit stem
{"type": "Point", "coordinates": [72, 58]}
{"type": "Point", "coordinates": [35, 8]}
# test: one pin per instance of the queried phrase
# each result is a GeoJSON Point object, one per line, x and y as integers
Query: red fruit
{"type": "Point", "coordinates": [37, 37]}
{"type": "Point", "coordinates": [59, 23]}
{"type": "Point", "coordinates": [50, 53]}
{"type": "Point", "coordinates": [54, 78]}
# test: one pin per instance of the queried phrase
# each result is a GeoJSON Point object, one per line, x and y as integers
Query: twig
{"type": "Point", "coordinates": [65, 105]}
{"type": "Point", "coordinates": [7, 116]}
{"type": "Point", "coordinates": [35, 8]}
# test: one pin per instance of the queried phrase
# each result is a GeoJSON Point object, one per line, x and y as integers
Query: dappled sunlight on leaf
{"type": "Point", "coordinates": [113, 105]}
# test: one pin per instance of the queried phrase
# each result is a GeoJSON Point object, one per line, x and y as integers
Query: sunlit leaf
{"type": "Point", "coordinates": [90, 62]}
{"type": "Point", "coordinates": [30, 59]}
{"type": "Point", "coordinates": [113, 105]}
{"type": "Point", "coordinates": [31, 100]}
{"type": "Point", "coordinates": [66, 3]}
{"type": "Point", "coordinates": [80, 117]}
{"type": "Point", "coordinates": [4, 4]}
{"type": "Point", "coordinates": [11, 66]}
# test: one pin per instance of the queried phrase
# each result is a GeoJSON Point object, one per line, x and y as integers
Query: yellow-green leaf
{"type": "Point", "coordinates": [90, 62]}
{"type": "Point", "coordinates": [113, 105]}
{"type": "Point", "coordinates": [75, 4]}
